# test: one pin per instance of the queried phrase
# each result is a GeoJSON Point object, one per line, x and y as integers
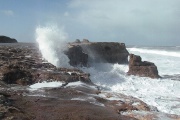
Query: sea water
{"type": "Point", "coordinates": [163, 93]}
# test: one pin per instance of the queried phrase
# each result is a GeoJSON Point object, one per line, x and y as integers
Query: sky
{"type": "Point", "coordinates": [134, 22]}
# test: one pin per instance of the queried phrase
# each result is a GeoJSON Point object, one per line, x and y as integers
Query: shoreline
{"type": "Point", "coordinates": [26, 106]}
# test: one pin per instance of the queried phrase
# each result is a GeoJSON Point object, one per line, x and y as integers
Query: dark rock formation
{"type": "Point", "coordinates": [110, 52]}
{"type": "Point", "coordinates": [142, 68]}
{"type": "Point", "coordinates": [5, 39]}
{"type": "Point", "coordinates": [77, 56]}
{"type": "Point", "coordinates": [17, 76]}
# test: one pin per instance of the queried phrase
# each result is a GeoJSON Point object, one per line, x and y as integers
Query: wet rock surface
{"type": "Point", "coordinates": [94, 52]}
{"type": "Point", "coordinates": [142, 68]}
{"type": "Point", "coordinates": [8, 111]}
{"type": "Point", "coordinates": [41, 108]}
{"type": "Point", "coordinates": [76, 99]}
{"type": "Point", "coordinates": [23, 64]}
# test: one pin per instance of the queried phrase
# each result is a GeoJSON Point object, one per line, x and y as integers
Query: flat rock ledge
{"type": "Point", "coordinates": [142, 68]}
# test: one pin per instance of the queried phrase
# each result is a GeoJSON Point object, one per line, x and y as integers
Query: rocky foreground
{"type": "Point", "coordinates": [77, 98]}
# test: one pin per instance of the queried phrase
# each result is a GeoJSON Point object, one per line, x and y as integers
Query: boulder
{"type": "Point", "coordinates": [5, 39]}
{"type": "Point", "coordinates": [142, 68]}
{"type": "Point", "coordinates": [85, 53]}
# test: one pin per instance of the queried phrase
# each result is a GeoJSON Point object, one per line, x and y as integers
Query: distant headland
{"type": "Point", "coordinates": [5, 39]}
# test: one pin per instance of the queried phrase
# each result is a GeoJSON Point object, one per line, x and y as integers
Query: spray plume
{"type": "Point", "coordinates": [52, 43]}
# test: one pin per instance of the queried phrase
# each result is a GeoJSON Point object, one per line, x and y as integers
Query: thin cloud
{"type": "Point", "coordinates": [7, 12]}
{"type": "Point", "coordinates": [143, 21]}
{"type": "Point", "coordinates": [66, 14]}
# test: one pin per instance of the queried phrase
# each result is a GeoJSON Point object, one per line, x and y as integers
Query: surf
{"type": "Point", "coordinates": [112, 78]}
{"type": "Point", "coordinates": [157, 52]}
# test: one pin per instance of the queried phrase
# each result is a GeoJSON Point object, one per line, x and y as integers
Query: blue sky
{"type": "Point", "coordinates": [135, 22]}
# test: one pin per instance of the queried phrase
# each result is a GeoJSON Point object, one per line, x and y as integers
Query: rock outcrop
{"type": "Point", "coordinates": [82, 53]}
{"type": "Point", "coordinates": [23, 65]}
{"type": "Point", "coordinates": [5, 39]}
{"type": "Point", "coordinates": [77, 56]}
{"type": "Point", "coordinates": [142, 68]}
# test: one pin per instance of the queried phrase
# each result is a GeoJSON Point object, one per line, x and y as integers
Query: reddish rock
{"type": "Point", "coordinates": [142, 68]}
{"type": "Point", "coordinates": [42, 108]}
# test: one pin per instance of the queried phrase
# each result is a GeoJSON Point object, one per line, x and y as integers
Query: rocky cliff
{"type": "Point", "coordinates": [5, 39]}
{"type": "Point", "coordinates": [84, 53]}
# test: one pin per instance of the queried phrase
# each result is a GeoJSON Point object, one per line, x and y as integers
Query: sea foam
{"type": "Point", "coordinates": [158, 52]}
{"type": "Point", "coordinates": [162, 93]}
{"type": "Point", "coordinates": [167, 59]}
{"type": "Point", "coordinates": [45, 84]}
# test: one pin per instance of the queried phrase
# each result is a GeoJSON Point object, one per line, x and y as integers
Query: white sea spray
{"type": "Point", "coordinates": [52, 42]}
{"type": "Point", "coordinates": [162, 93]}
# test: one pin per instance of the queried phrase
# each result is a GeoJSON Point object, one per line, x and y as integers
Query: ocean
{"type": "Point", "coordinates": [163, 93]}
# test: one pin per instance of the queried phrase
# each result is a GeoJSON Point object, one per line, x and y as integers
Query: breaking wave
{"type": "Point", "coordinates": [52, 43]}
{"type": "Point", "coordinates": [158, 52]}
{"type": "Point", "coordinates": [161, 93]}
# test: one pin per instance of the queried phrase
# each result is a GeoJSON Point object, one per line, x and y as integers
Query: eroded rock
{"type": "Point", "coordinates": [142, 68]}
{"type": "Point", "coordinates": [77, 56]}
{"type": "Point", "coordinates": [86, 52]}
